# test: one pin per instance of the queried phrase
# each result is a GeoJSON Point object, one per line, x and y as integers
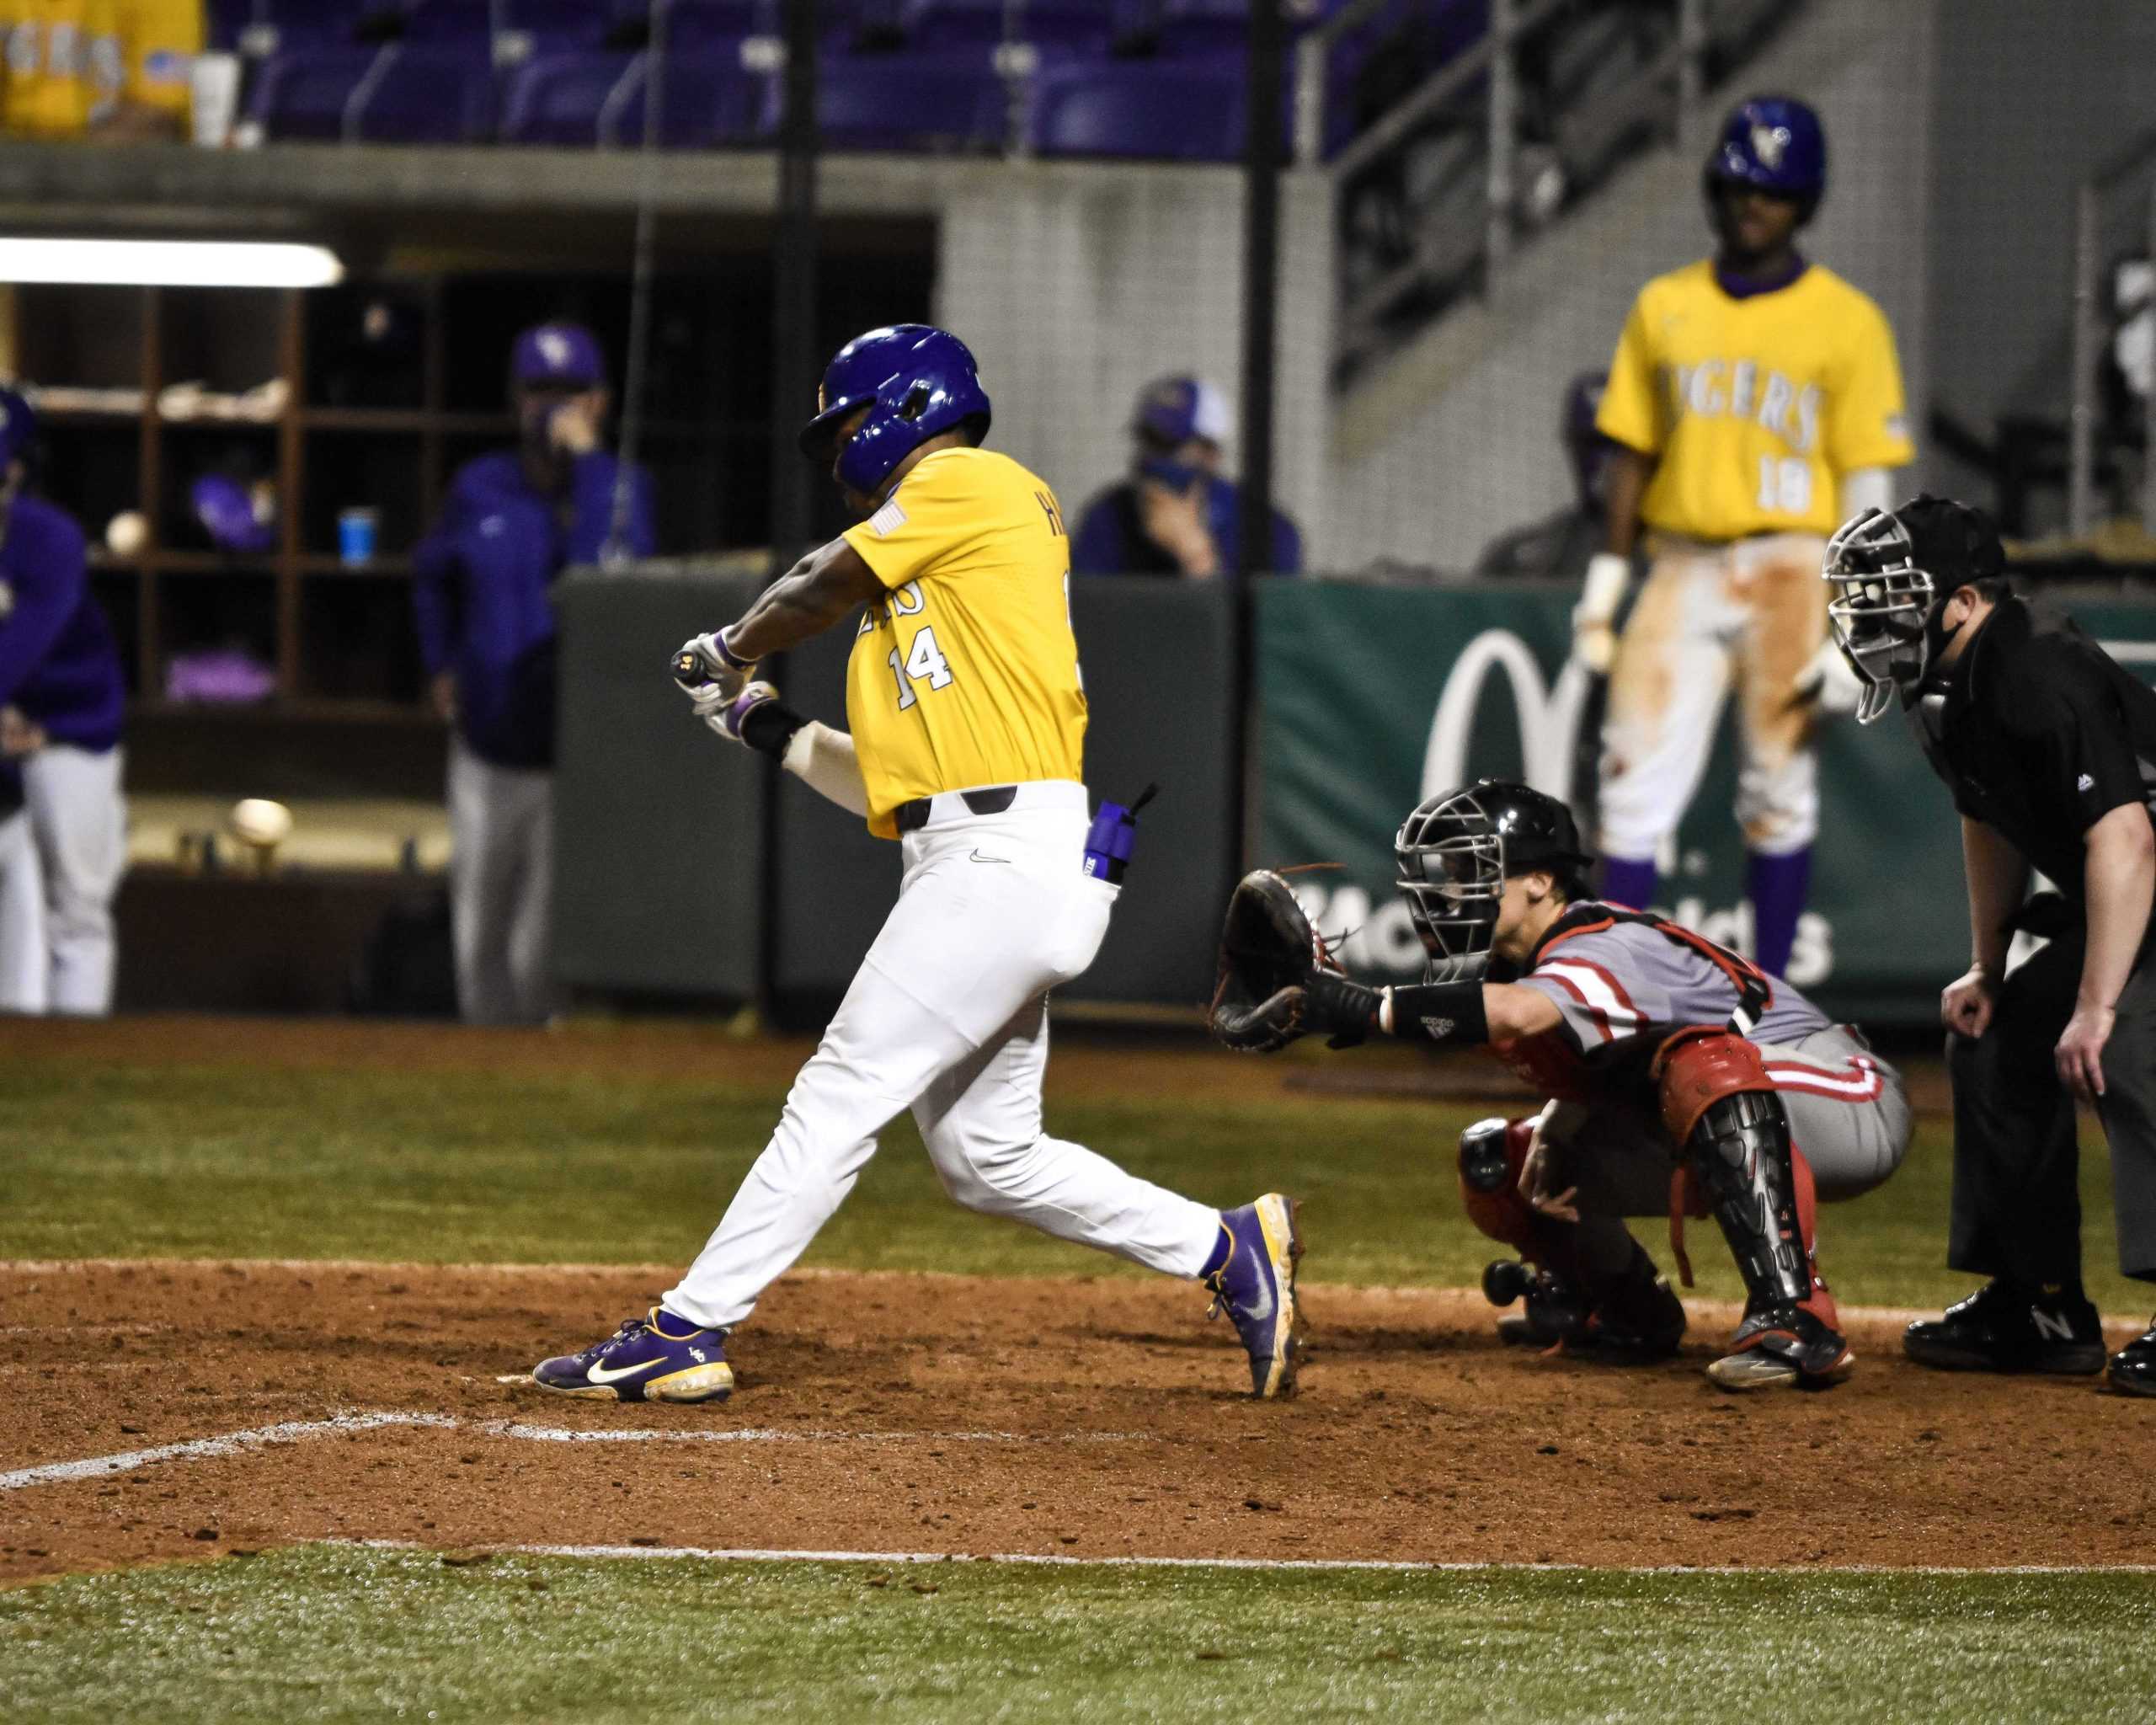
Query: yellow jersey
{"type": "Point", "coordinates": [1755, 407]}
{"type": "Point", "coordinates": [966, 672]}
{"type": "Point", "coordinates": [71, 62]}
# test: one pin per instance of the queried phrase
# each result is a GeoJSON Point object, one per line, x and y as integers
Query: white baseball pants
{"type": "Point", "coordinates": [78, 820]}
{"type": "Point", "coordinates": [24, 975]}
{"type": "Point", "coordinates": [948, 1015]}
{"type": "Point", "coordinates": [1750, 614]}
{"type": "Point", "coordinates": [501, 888]}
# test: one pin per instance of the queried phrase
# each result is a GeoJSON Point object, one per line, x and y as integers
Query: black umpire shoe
{"type": "Point", "coordinates": [2133, 1367]}
{"type": "Point", "coordinates": [2003, 1326]}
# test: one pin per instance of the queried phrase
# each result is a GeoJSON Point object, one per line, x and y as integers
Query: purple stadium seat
{"type": "Point", "coordinates": [392, 94]}
{"type": "Point", "coordinates": [599, 99]}
{"type": "Point", "coordinates": [1180, 110]}
{"type": "Point", "coordinates": [266, 27]}
{"type": "Point", "coordinates": [907, 101]}
{"type": "Point", "coordinates": [1059, 26]}
{"type": "Point", "coordinates": [553, 26]}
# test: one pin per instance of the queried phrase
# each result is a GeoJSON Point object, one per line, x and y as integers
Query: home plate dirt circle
{"type": "Point", "coordinates": [173, 1409]}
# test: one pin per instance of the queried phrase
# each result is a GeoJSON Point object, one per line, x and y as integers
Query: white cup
{"type": "Point", "coordinates": [213, 81]}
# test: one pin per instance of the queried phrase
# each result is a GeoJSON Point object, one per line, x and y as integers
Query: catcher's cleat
{"type": "Point", "coordinates": [1784, 1347]}
{"type": "Point", "coordinates": [2003, 1328]}
{"type": "Point", "coordinates": [658, 1357]}
{"type": "Point", "coordinates": [1639, 1321]}
{"type": "Point", "coordinates": [1256, 1287]}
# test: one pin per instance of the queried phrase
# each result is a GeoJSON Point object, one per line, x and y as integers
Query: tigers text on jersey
{"type": "Point", "coordinates": [70, 62]}
{"type": "Point", "coordinates": [1755, 406]}
{"type": "Point", "coordinates": [966, 673]}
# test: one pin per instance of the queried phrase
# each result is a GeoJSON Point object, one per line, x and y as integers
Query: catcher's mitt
{"type": "Point", "coordinates": [1267, 952]}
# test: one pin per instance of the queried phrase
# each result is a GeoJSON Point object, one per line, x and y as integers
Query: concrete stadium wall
{"type": "Point", "coordinates": [1077, 288]}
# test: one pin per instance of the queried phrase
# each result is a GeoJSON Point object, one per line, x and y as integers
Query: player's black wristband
{"type": "Point", "coordinates": [768, 729]}
{"type": "Point", "coordinates": [1441, 1011]}
{"type": "Point", "coordinates": [1338, 1004]}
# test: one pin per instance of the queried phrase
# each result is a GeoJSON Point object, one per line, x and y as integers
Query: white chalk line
{"type": "Point", "coordinates": [299, 1430]}
{"type": "Point", "coordinates": [1389, 1564]}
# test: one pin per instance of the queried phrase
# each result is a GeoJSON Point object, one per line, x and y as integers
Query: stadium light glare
{"type": "Point", "coordinates": [168, 262]}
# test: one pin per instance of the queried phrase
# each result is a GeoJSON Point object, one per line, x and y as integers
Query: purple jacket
{"type": "Point", "coordinates": [57, 660]}
{"type": "Point", "coordinates": [482, 589]}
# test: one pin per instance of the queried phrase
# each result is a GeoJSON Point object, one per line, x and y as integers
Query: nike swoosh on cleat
{"type": "Point", "coordinates": [598, 1374]}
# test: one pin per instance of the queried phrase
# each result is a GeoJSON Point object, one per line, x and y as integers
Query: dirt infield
{"type": "Point", "coordinates": [1078, 1417]}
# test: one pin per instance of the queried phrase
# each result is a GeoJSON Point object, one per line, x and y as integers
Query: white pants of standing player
{"type": "Point", "coordinates": [24, 972]}
{"type": "Point", "coordinates": [501, 885]}
{"type": "Point", "coordinates": [948, 1015]}
{"type": "Point", "coordinates": [1751, 615]}
{"type": "Point", "coordinates": [78, 821]}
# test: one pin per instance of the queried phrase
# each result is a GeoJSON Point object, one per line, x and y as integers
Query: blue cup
{"type": "Point", "coordinates": [356, 531]}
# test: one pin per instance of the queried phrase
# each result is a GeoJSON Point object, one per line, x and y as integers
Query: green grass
{"type": "Point", "coordinates": [338, 1633]}
{"type": "Point", "coordinates": [119, 1162]}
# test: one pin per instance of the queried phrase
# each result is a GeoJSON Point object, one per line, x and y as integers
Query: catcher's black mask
{"type": "Point", "coordinates": [1457, 850]}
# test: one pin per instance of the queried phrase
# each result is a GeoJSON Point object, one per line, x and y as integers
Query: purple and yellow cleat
{"type": "Point", "coordinates": [657, 1357]}
{"type": "Point", "coordinates": [1256, 1286]}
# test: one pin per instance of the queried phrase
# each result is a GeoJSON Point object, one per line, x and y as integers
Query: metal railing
{"type": "Point", "coordinates": [2120, 196]}
{"type": "Point", "coordinates": [1612, 77]}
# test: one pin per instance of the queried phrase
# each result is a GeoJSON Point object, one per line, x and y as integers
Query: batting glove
{"type": "Point", "coordinates": [1595, 618]}
{"type": "Point", "coordinates": [709, 673]}
{"type": "Point", "coordinates": [726, 718]}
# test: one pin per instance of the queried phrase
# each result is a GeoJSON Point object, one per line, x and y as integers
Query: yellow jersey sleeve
{"type": "Point", "coordinates": [1631, 406]}
{"type": "Point", "coordinates": [1869, 427]}
{"type": "Point", "coordinates": [931, 519]}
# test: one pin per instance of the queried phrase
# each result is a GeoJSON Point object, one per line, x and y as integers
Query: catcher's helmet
{"type": "Point", "coordinates": [916, 381]}
{"type": "Point", "coordinates": [1889, 571]}
{"type": "Point", "coordinates": [1457, 850]}
{"type": "Point", "coordinates": [1773, 144]}
{"type": "Point", "coordinates": [17, 430]}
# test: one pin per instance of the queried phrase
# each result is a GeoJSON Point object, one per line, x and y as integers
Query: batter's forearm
{"type": "Point", "coordinates": [1997, 876]}
{"type": "Point", "coordinates": [804, 603]}
{"type": "Point", "coordinates": [2119, 875]}
{"type": "Point", "coordinates": [1624, 484]}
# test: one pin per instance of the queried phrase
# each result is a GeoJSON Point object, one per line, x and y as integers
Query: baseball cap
{"type": "Point", "coordinates": [1176, 409]}
{"type": "Point", "coordinates": [558, 356]}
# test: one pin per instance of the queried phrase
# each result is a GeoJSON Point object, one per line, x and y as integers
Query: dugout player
{"type": "Point", "coordinates": [483, 593]}
{"type": "Point", "coordinates": [966, 719]}
{"type": "Point", "coordinates": [1683, 1079]}
{"type": "Point", "coordinates": [1758, 403]}
{"type": "Point", "coordinates": [2049, 748]}
{"type": "Point", "coordinates": [60, 696]}
{"type": "Point", "coordinates": [117, 68]}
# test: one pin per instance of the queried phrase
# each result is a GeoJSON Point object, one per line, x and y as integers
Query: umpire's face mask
{"type": "Point", "coordinates": [1884, 612]}
{"type": "Point", "coordinates": [1452, 873]}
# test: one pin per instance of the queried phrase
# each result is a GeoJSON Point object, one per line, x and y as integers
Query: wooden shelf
{"type": "Point", "coordinates": [327, 563]}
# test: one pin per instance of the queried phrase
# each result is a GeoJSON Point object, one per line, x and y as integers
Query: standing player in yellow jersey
{"type": "Point", "coordinates": [966, 720]}
{"type": "Point", "coordinates": [114, 67]}
{"type": "Point", "coordinates": [1757, 404]}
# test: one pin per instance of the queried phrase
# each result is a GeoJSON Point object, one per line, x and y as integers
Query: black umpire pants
{"type": "Point", "coordinates": [2017, 1201]}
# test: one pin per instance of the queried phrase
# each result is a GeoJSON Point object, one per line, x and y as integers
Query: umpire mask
{"type": "Point", "coordinates": [1888, 571]}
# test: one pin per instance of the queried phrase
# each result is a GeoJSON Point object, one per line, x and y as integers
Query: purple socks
{"type": "Point", "coordinates": [1629, 881]}
{"type": "Point", "coordinates": [1777, 886]}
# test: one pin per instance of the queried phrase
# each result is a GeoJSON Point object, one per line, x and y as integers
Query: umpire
{"type": "Point", "coordinates": [2049, 748]}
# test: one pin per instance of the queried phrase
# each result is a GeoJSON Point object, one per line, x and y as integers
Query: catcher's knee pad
{"type": "Point", "coordinates": [1491, 1153]}
{"type": "Point", "coordinates": [1699, 1065]}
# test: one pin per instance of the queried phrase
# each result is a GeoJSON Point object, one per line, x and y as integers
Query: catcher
{"type": "Point", "coordinates": [1682, 1077]}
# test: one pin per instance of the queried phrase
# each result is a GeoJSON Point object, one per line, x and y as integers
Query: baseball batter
{"type": "Point", "coordinates": [1683, 1079]}
{"type": "Point", "coordinates": [1757, 402]}
{"type": "Point", "coordinates": [966, 722]}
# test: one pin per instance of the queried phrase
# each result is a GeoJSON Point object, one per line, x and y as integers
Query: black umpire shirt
{"type": "Point", "coordinates": [2038, 734]}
